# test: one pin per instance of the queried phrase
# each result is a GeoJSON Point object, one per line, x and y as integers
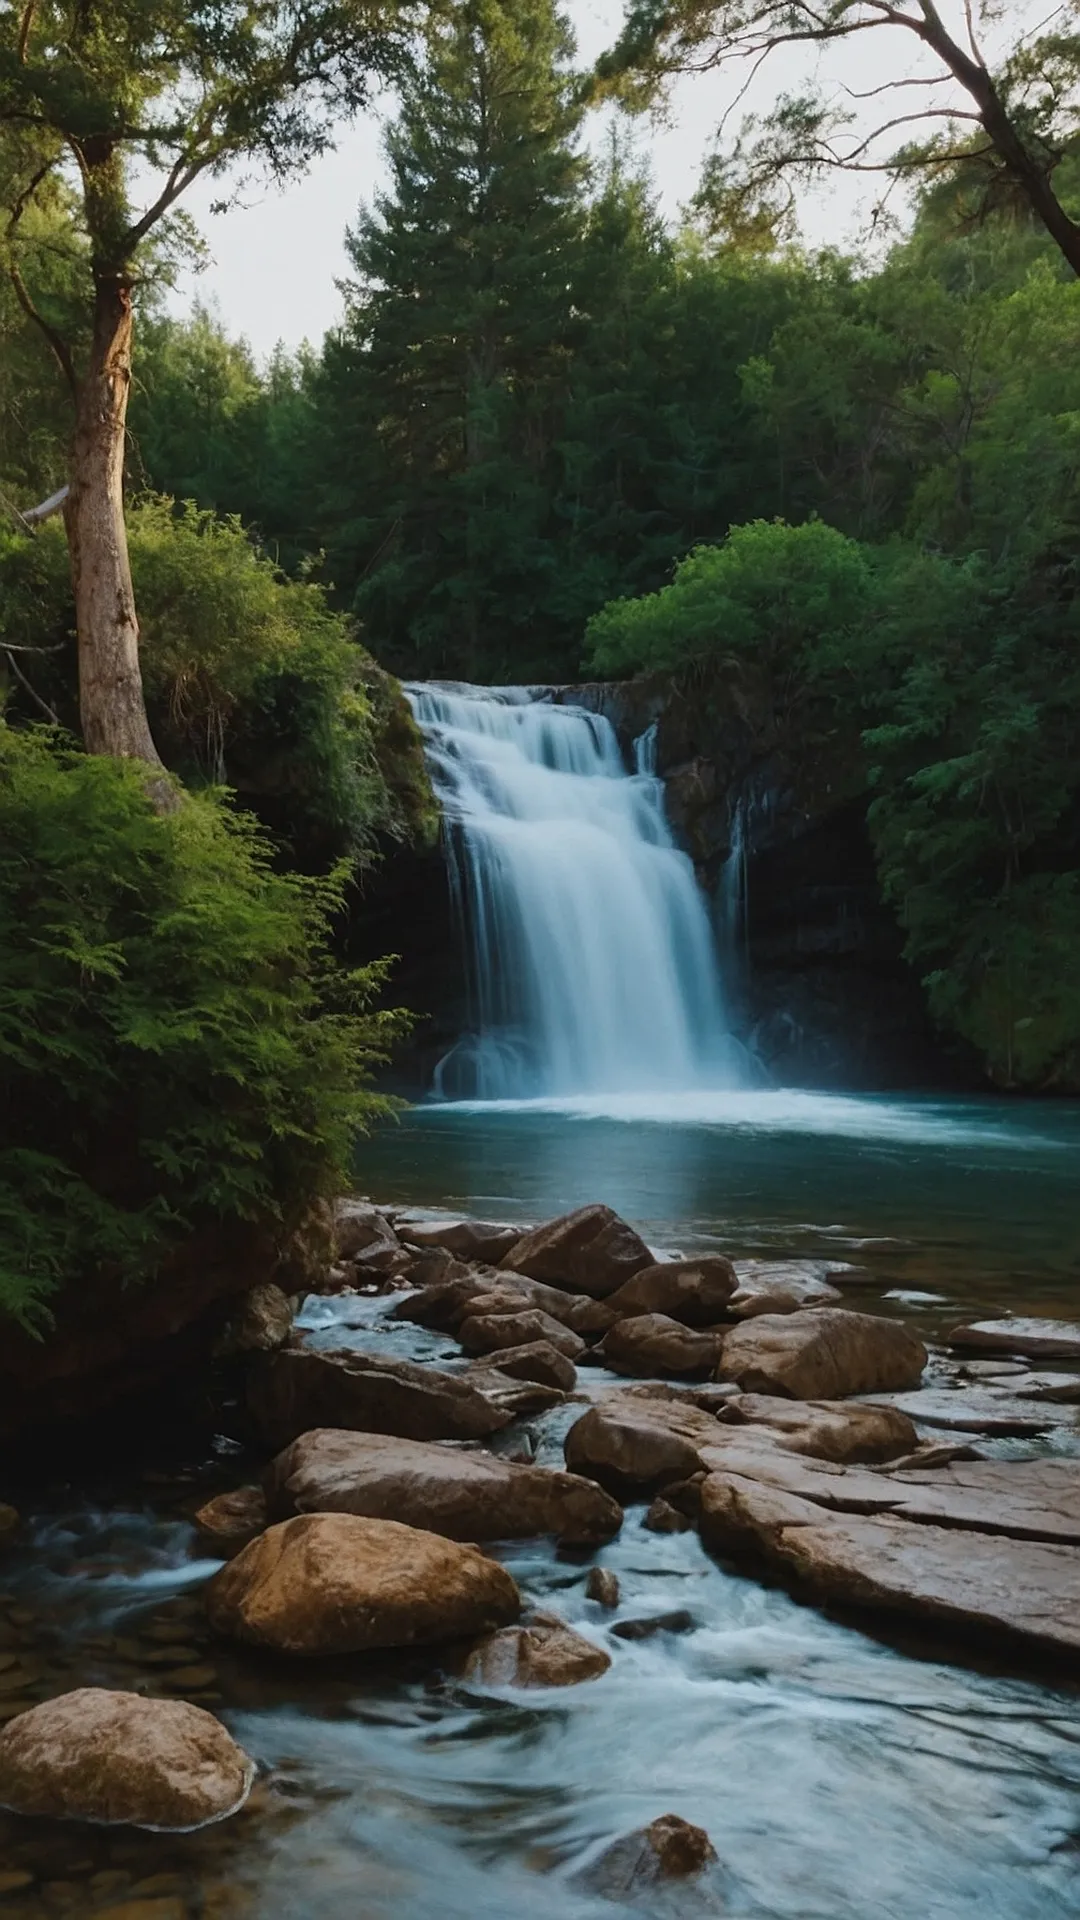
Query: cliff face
{"type": "Point", "coordinates": [771, 808]}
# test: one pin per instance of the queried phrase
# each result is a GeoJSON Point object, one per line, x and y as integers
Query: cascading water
{"type": "Point", "coordinates": [592, 964]}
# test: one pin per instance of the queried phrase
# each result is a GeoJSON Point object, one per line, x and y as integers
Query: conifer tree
{"type": "Point", "coordinates": [442, 392]}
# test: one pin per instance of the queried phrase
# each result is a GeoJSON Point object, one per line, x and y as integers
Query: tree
{"type": "Point", "coordinates": [1019, 122]}
{"type": "Point", "coordinates": [179, 88]}
{"type": "Point", "coordinates": [441, 394]}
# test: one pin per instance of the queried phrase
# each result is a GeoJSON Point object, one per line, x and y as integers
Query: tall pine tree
{"type": "Point", "coordinates": [443, 392]}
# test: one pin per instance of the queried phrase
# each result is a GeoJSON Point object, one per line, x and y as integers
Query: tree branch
{"type": "Point", "coordinates": [42, 705]}
{"type": "Point", "coordinates": [26, 26]}
{"type": "Point", "coordinates": [57, 343]}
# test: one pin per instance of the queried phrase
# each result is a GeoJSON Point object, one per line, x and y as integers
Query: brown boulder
{"type": "Point", "coordinates": [780, 1287]}
{"type": "Point", "coordinates": [543, 1653]}
{"type": "Point", "coordinates": [633, 1445]}
{"type": "Point", "coordinates": [538, 1360]}
{"type": "Point", "coordinates": [358, 1226]}
{"type": "Point", "coordinates": [822, 1354]}
{"type": "Point", "coordinates": [262, 1322]}
{"type": "Point", "coordinates": [445, 1304]}
{"type": "Point", "coordinates": [518, 1398]}
{"type": "Point", "coordinates": [824, 1429]}
{"type": "Point", "coordinates": [465, 1239]}
{"type": "Point", "coordinates": [230, 1520]}
{"type": "Point", "coordinates": [693, 1291]}
{"type": "Point", "coordinates": [668, 1849]}
{"type": "Point", "coordinates": [464, 1494]}
{"type": "Point", "coordinates": [119, 1760]}
{"type": "Point", "coordinates": [488, 1332]}
{"type": "Point", "coordinates": [292, 1391]}
{"type": "Point", "coordinates": [330, 1583]}
{"type": "Point", "coordinates": [602, 1586]}
{"type": "Point", "coordinates": [653, 1343]}
{"type": "Point", "coordinates": [1039, 1339]}
{"type": "Point", "coordinates": [589, 1251]}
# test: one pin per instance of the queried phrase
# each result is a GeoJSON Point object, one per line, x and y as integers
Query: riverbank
{"type": "Point", "coordinates": [422, 1789]}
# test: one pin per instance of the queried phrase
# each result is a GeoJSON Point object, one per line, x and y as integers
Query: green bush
{"type": "Point", "coordinates": [177, 1048]}
{"type": "Point", "coordinates": [251, 680]}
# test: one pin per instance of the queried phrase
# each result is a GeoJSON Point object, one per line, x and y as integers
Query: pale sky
{"type": "Point", "coordinates": [275, 258]}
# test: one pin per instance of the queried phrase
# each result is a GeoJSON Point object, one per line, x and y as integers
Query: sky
{"type": "Point", "coordinates": [276, 255]}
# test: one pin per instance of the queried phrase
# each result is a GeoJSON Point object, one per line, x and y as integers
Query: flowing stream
{"type": "Point", "coordinates": [591, 959]}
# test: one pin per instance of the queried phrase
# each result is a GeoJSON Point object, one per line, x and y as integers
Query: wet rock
{"type": "Point", "coordinates": [1039, 1339]}
{"type": "Point", "coordinates": [653, 1343]}
{"type": "Point", "coordinates": [796, 1272]}
{"type": "Point", "coordinates": [488, 1332]}
{"type": "Point", "coordinates": [517, 1399]}
{"type": "Point", "coordinates": [783, 1288]}
{"type": "Point", "coordinates": [263, 1322]}
{"type": "Point", "coordinates": [465, 1239]}
{"type": "Point", "coordinates": [357, 1226]}
{"type": "Point", "coordinates": [822, 1354]}
{"type": "Point", "coordinates": [662, 1517]}
{"type": "Point", "coordinates": [826, 1429]}
{"type": "Point", "coordinates": [462, 1493]}
{"type": "Point", "coordinates": [441, 1305]}
{"type": "Point", "coordinates": [330, 1583]}
{"type": "Point", "coordinates": [668, 1849]}
{"type": "Point", "coordinates": [602, 1586]}
{"type": "Point", "coordinates": [543, 1653]}
{"type": "Point", "coordinates": [117, 1759]}
{"type": "Point", "coordinates": [679, 1620]}
{"type": "Point", "coordinates": [632, 1444]}
{"type": "Point", "coordinates": [230, 1520]}
{"type": "Point", "coordinates": [538, 1360]}
{"type": "Point", "coordinates": [991, 1546]}
{"type": "Point", "coordinates": [980, 1409]}
{"type": "Point", "coordinates": [380, 1263]}
{"type": "Point", "coordinates": [696, 1292]}
{"type": "Point", "coordinates": [291, 1392]}
{"type": "Point", "coordinates": [446, 1304]}
{"type": "Point", "coordinates": [589, 1251]}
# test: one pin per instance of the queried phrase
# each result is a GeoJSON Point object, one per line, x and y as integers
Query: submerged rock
{"type": "Point", "coordinates": [329, 1583]}
{"type": "Point", "coordinates": [696, 1292]}
{"type": "Point", "coordinates": [589, 1251]}
{"type": "Point", "coordinates": [460, 1492]}
{"type": "Point", "coordinates": [822, 1354]}
{"type": "Point", "coordinates": [653, 1343]}
{"type": "Point", "coordinates": [291, 1392]}
{"type": "Point", "coordinates": [668, 1849]}
{"type": "Point", "coordinates": [119, 1760]}
{"type": "Point", "coordinates": [544, 1652]}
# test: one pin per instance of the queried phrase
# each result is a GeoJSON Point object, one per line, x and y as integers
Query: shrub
{"type": "Point", "coordinates": [177, 1048]}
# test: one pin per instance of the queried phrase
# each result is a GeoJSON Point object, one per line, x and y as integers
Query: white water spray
{"type": "Point", "coordinates": [592, 965]}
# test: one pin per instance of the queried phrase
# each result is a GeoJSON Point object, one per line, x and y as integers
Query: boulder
{"type": "Point", "coordinates": [543, 1653]}
{"type": "Point", "coordinates": [668, 1849]}
{"type": "Point", "coordinates": [332, 1583]}
{"type": "Point", "coordinates": [230, 1520]}
{"type": "Point", "coordinates": [633, 1445]}
{"type": "Point", "coordinates": [602, 1586]}
{"type": "Point", "coordinates": [292, 1391]}
{"type": "Point", "coordinates": [983, 1583]}
{"type": "Point", "coordinates": [489, 1332]}
{"type": "Point", "coordinates": [119, 1760]}
{"type": "Point", "coordinates": [653, 1343]}
{"type": "Point", "coordinates": [380, 1263]}
{"type": "Point", "coordinates": [589, 1251]}
{"type": "Point", "coordinates": [981, 1409]}
{"type": "Point", "coordinates": [1038, 1339]}
{"type": "Point", "coordinates": [516, 1398]}
{"type": "Point", "coordinates": [358, 1226]}
{"type": "Point", "coordinates": [825, 1429]}
{"type": "Point", "coordinates": [822, 1354]}
{"type": "Point", "coordinates": [783, 1288]}
{"type": "Point", "coordinates": [445, 1304]}
{"type": "Point", "coordinates": [538, 1360]}
{"type": "Point", "coordinates": [465, 1239]}
{"type": "Point", "coordinates": [262, 1322]}
{"type": "Point", "coordinates": [441, 1305]}
{"type": "Point", "coordinates": [462, 1493]}
{"type": "Point", "coordinates": [696, 1292]}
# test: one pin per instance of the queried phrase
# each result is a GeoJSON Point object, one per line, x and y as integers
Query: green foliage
{"type": "Point", "coordinates": [178, 1050]}
{"type": "Point", "coordinates": [251, 680]}
{"type": "Point", "coordinates": [790, 597]}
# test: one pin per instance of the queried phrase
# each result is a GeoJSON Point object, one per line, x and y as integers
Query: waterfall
{"type": "Point", "coordinates": [592, 967]}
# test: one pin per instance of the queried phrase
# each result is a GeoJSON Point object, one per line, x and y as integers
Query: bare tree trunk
{"type": "Point", "coordinates": [111, 703]}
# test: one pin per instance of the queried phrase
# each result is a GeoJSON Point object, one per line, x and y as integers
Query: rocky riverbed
{"type": "Point", "coordinates": [486, 1474]}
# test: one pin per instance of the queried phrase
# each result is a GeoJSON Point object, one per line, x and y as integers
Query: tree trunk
{"type": "Point", "coordinates": [111, 704]}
